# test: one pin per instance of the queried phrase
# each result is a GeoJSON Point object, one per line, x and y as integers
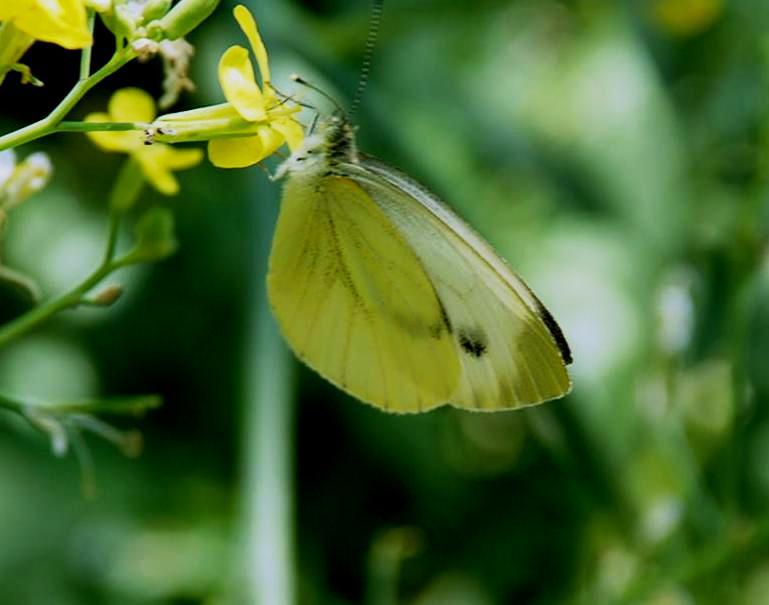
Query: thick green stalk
{"type": "Point", "coordinates": [268, 574]}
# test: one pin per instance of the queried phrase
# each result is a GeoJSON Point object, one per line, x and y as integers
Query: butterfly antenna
{"type": "Point", "coordinates": [286, 98]}
{"type": "Point", "coordinates": [300, 80]}
{"type": "Point", "coordinates": [368, 52]}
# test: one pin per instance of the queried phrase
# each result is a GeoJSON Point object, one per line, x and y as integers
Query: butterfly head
{"type": "Point", "coordinates": [324, 150]}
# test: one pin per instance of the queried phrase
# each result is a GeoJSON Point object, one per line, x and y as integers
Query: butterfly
{"type": "Point", "coordinates": [379, 287]}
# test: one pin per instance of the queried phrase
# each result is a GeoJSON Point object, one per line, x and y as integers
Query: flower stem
{"type": "Point", "coordinates": [114, 226]}
{"type": "Point", "coordinates": [68, 300]}
{"type": "Point", "coordinates": [71, 299]}
{"type": "Point", "coordinates": [85, 56]}
{"type": "Point", "coordinates": [48, 124]}
{"type": "Point", "coordinates": [67, 126]}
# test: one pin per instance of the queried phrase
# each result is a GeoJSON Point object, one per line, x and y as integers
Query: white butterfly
{"type": "Point", "coordinates": [383, 290]}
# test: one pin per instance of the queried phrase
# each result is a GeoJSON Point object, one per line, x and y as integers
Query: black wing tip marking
{"type": "Point", "coordinates": [555, 331]}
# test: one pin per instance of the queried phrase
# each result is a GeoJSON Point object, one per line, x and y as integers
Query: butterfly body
{"type": "Point", "coordinates": [384, 291]}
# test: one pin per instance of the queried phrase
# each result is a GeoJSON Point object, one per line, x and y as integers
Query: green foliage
{"type": "Point", "coordinates": [614, 153]}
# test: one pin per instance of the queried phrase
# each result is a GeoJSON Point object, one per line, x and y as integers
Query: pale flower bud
{"type": "Point", "coordinates": [145, 48]}
{"type": "Point", "coordinates": [25, 179]}
{"type": "Point", "coordinates": [107, 296]}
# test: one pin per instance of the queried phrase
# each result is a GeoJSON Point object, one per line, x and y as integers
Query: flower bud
{"type": "Point", "coordinates": [107, 296]}
{"type": "Point", "coordinates": [155, 9]}
{"type": "Point", "coordinates": [181, 19]}
{"type": "Point", "coordinates": [19, 181]}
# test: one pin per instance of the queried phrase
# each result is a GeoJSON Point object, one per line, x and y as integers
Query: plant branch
{"type": "Point", "coordinates": [48, 124]}
{"type": "Point", "coordinates": [68, 300]}
{"type": "Point", "coordinates": [74, 126]}
{"type": "Point", "coordinates": [73, 297]}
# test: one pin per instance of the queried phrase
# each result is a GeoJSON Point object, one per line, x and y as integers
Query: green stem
{"type": "Point", "coordinates": [12, 405]}
{"type": "Point", "coordinates": [114, 227]}
{"type": "Point", "coordinates": [99, 126]}
{"type": "Point", "coordinates": [68, 300]}
{"type": "Point", "coordinates": [267, 509]}
{"type": "Point", "coordinates": [48, 124]}
{"type": "Point", "coordinates": [85, 56]}
{"type": "Point", "coordinates": [74, 297]}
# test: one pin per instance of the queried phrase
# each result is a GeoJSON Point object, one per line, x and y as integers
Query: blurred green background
{"type": "Point", "coordinates": [616, 153]}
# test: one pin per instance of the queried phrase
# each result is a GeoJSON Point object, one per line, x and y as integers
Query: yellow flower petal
{"type": "Point", "coordinates": [223, 111]}
{"type": "Point", "coordinates": [181, 159]}
{"type": "Point", "coordinates": [155, 170]}
{"type": "Point", "coordinates": [291, 130]}
{"type": "Point", "coordinates": [131, 105]}
{"type": "Point", "coordinates": [9, 10]}
{"type": "Point", "coordinates": [13, 44]}
{"type": "Point", "coordinates": [271, 139]}
{"type": "Point", "coordinates": [125, 141]}
{"type": "Point", "coordinates": [62, 22]}
{"type": "Point", "coordinates": [158, 162]}
{"type": "Point", "coordinates": [236, 77]}
{"type": "Point", "coordinates": [236, 152]}
{"type": "Point", "coordinates": [248, 25]}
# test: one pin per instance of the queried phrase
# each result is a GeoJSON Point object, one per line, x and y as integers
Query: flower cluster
{"type": "Point", "coordinates": [254, 122]}
{"type": "Point", "coordinates": [259, 106]}
{"type": "Point", "coordinates": [250, 126]}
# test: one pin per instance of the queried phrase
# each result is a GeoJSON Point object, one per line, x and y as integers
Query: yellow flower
{"type": "Point", "coordinates": [157, 161]}
{"type": "Point", "coordinates": [261, 107]}
{"type": "Point", "coordinates": [62, 22]}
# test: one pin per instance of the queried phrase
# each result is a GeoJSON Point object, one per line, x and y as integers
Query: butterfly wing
{"type": "Point", "coordinates": [512, 352]}
{"type": "Point", "coordinates": [354, 301]}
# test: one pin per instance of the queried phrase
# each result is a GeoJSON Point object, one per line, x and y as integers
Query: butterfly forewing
{"type": "Point", "coordinates": [511, 351]}
{"type": "Point", "coordinates": [354, 301]}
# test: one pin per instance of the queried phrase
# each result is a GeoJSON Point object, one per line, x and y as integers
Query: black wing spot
{"type": "Point", "coordinates": [473, 342]}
